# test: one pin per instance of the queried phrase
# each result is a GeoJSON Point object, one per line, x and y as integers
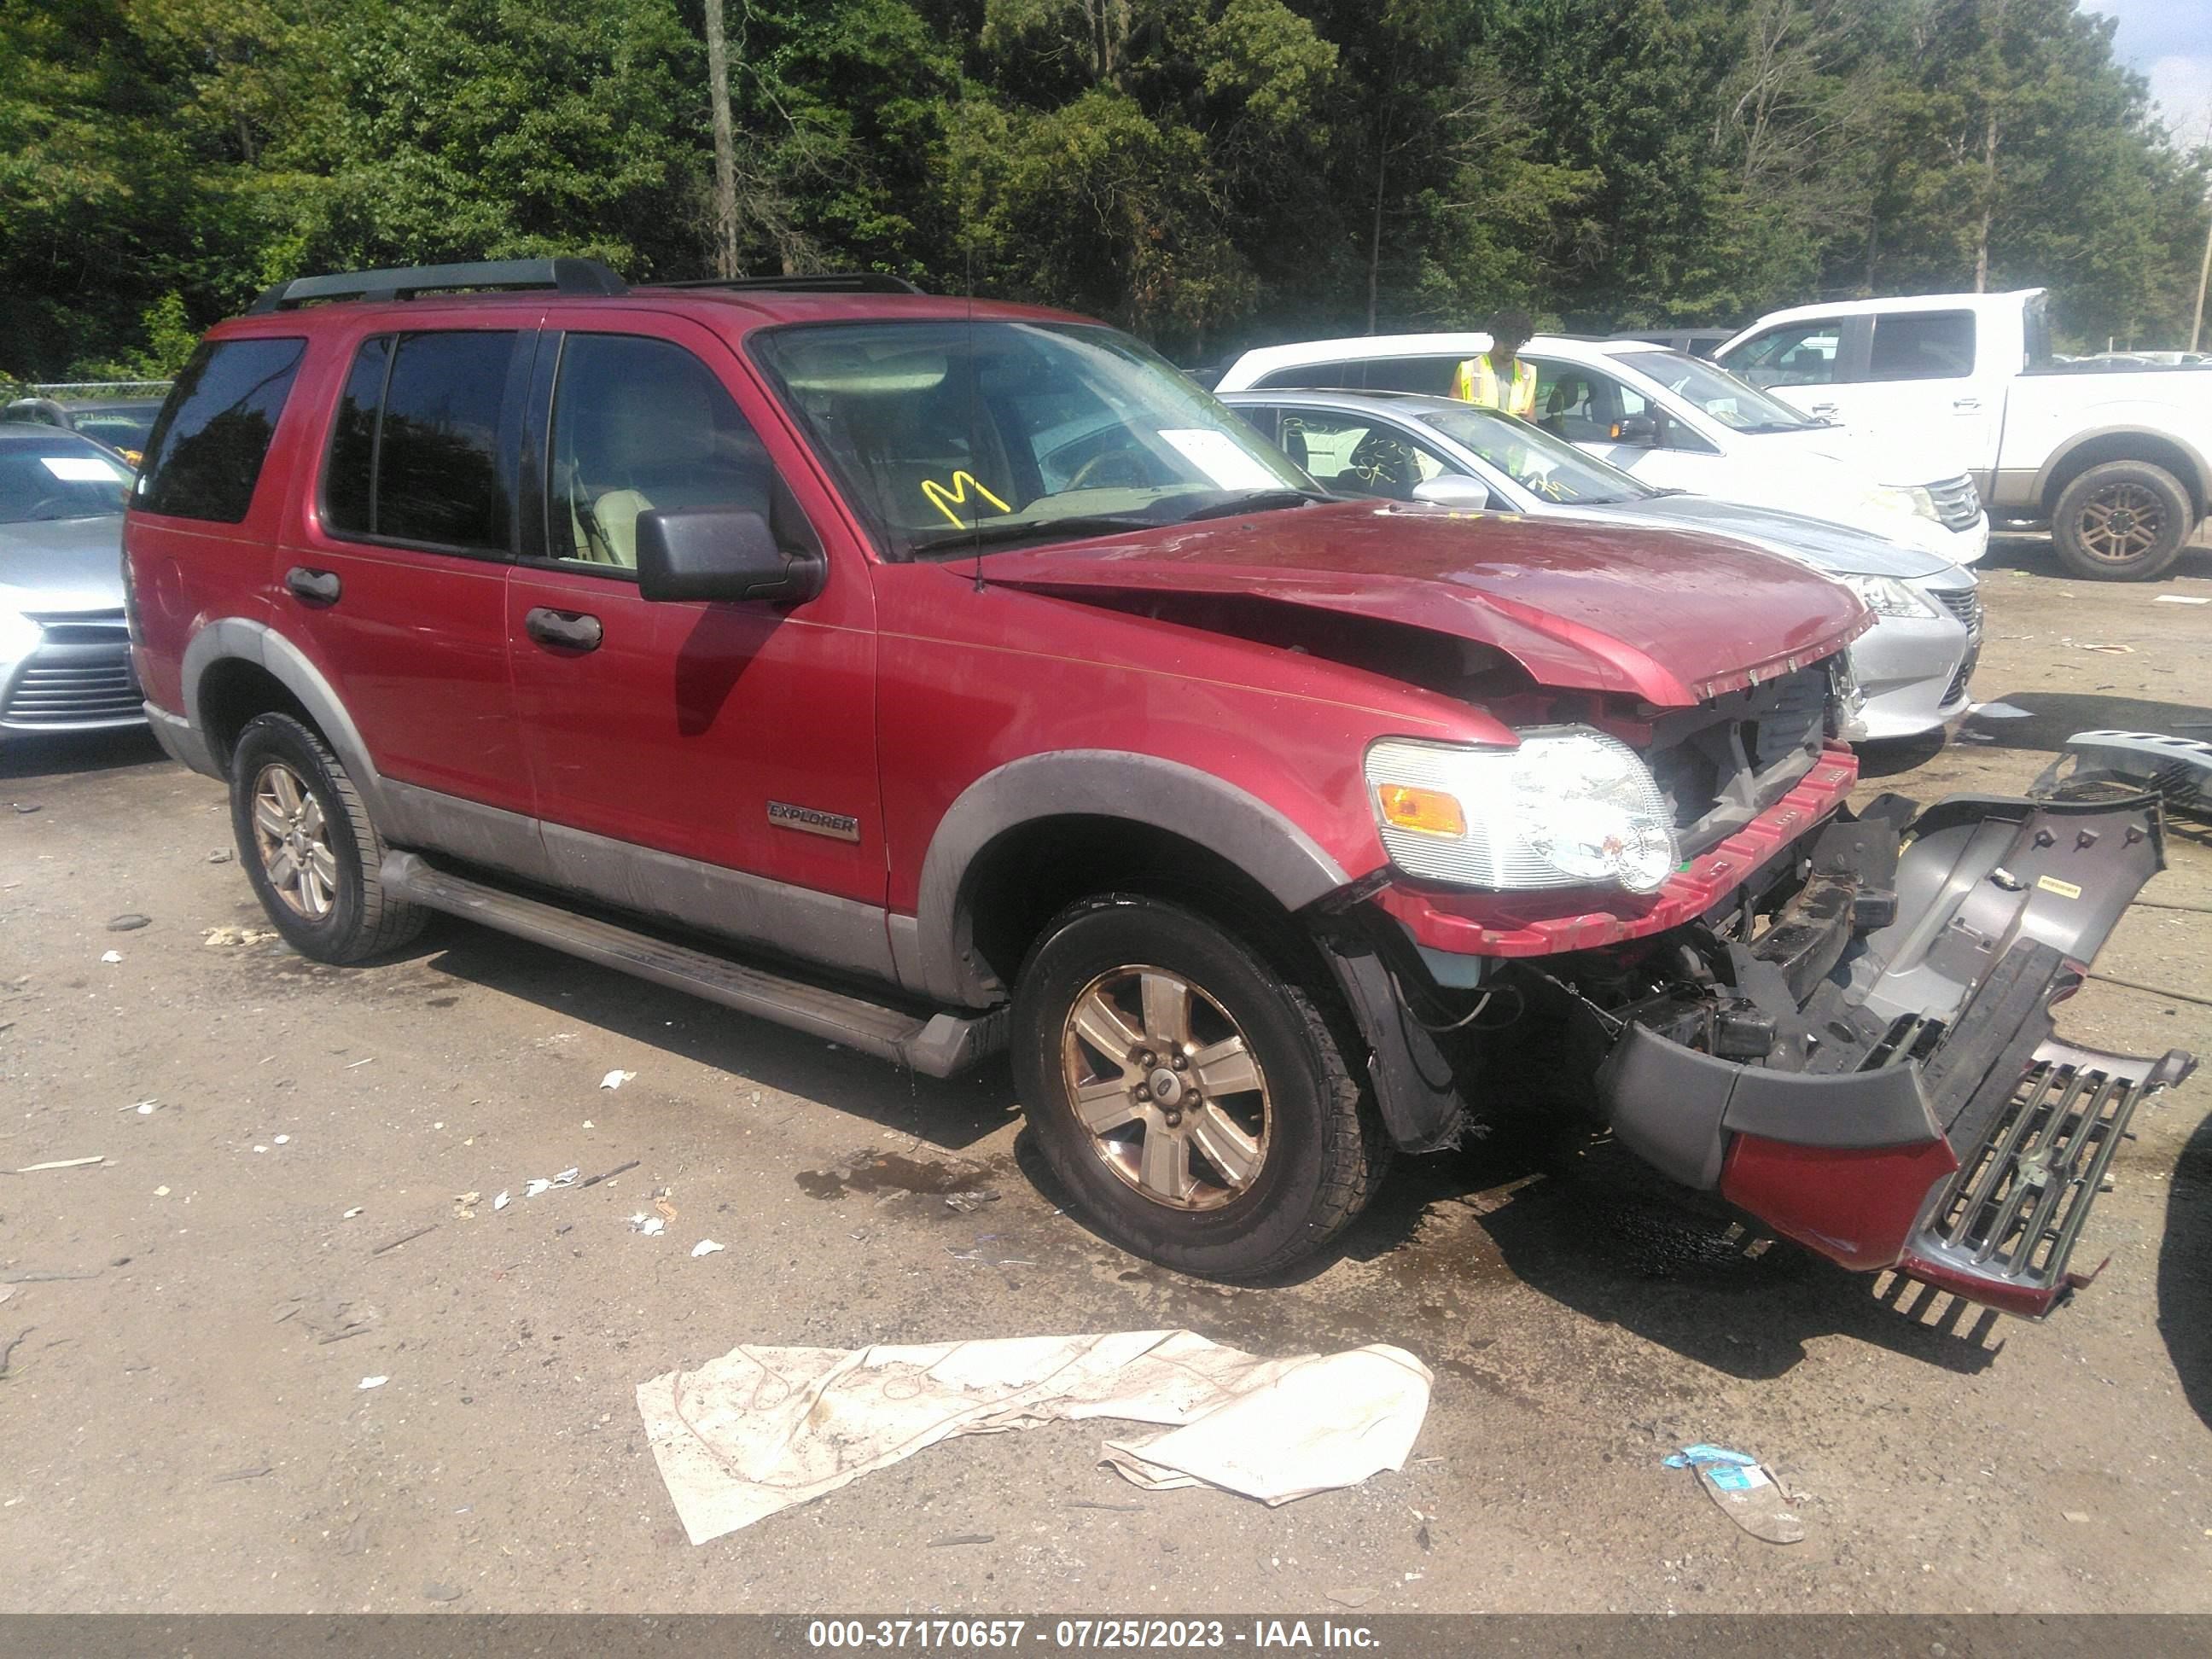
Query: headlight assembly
{"type": "Point", "coordinates": [1569, 807]}
{"type": "Point", "coordinates": [1905, 498]}
{"type": "Point", "coordinates": [1886, 596]}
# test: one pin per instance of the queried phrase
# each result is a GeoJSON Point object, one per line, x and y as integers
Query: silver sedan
{"type": "Point", "coordinates": [1913, 666]}
{"type": "Point", "coordinates": [64, 644]}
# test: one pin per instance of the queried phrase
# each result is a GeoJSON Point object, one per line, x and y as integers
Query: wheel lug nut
{"type": "Point", "coordinates": [1149, 1059]}
{"type": "Point", "coordinates": [1181, 1062]}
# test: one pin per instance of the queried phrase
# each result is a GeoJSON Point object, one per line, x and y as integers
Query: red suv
{"type": "Point", "coordinates": [943, 678]}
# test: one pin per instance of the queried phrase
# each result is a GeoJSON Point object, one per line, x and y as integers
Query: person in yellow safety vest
{"type": "Point", "coordinates": [1498, 378]}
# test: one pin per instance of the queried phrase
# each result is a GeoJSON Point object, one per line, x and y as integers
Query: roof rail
{"type": "Point", "coordinates": [568, 276]}
{"type": "Point", "coordinates": [830, 282]}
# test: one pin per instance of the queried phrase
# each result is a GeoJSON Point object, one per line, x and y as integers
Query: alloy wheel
{"type": "Point", "coordinates": [1167, 1086]}
{"type": "Point", "coordinates": [294, 839]}
{"type": "Point", "coordinates": [2121, 523]}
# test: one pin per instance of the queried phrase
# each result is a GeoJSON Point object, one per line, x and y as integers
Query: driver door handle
{"type": "Point", "coordinates": [1824, 409]}
{"type": "Point", "coordinates": [314, 587]}
{"type": "Point", "coordinates": [566, 630]}
{"type": "Point", "coordinates": [1966, 405]}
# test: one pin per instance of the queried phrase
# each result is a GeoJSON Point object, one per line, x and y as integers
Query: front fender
{"type": "Point", "coordinates": [937, 953]}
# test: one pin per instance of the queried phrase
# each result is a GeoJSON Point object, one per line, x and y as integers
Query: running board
{"type": "Point", "coordinates": [938, 1046]}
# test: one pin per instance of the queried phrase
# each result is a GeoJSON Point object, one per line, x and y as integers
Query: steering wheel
{"type": "Point", "coordinates": [1133, 460]}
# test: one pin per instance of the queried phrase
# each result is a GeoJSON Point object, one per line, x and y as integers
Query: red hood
{"type": "Point", "coordinates": [1672, 617]}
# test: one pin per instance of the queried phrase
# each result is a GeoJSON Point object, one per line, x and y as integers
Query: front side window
{"type": "Point", "coordinates": [638, 424]}
{"type": "Point", "coordinates": [950, 434]}
{"type": "Point", "coordinates": [422, 447]}
{"type": "Point", "coordinates": [1713, 389]}
{"type": "Point", "coordinates": [55, 475]}
{"type": "Point", "coordinates": [1582, 405]}
{"type": "Point", "coordinates": [1542, 465]}
{"type": "Point", "coordinates": [204, 455]}
{"type": "Point", "coordinates": [1359, 455]}
{"type": "Point", "coordinates": [1923, 345]}
{"type": "Point", "coordinates": [1795, 353]}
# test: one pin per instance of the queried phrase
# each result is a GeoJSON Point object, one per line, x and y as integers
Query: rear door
{"type": "Point", "coordinates": [1926, 381]}
{"type": "Point", "coordinates": [394, 583]}
{"type": "Point", "coordinates": [712, 763]}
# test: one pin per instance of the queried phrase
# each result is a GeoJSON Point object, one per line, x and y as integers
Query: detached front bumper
{"type": "Point", "coordinates": [1877, 1076]}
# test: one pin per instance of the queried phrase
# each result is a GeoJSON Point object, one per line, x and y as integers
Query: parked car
{"type": "Point", "coordinates": [64, 648]}
{"type": "Point", "coordinates": [121, 423]}
{"type": "Point", "coordinates": [1672, 421]}
{"type": "Point", "coordinates": [2115, 457]}
{"type": "Point", "coordinates": [942, 678]}
{"type": "Point", "coordinates": [1695, 341]}
{"type": "Point", "coordinates": [1912, 669]}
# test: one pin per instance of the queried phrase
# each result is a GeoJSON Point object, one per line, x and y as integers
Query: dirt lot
{"type": "Point", "coordinates": [183, 1424]}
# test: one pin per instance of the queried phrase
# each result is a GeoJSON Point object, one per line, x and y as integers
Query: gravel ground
{"type": "Point", "coordinates": [187, 1324]}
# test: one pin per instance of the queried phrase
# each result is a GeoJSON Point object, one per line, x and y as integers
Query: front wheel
{"type": "Point", "coordinates": [1198, 1109]}
{"type": "Point", "coordinates": [2122, 521]}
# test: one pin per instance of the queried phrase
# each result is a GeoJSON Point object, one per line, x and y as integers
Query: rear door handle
{"type": "Point", "coordinates": [567, 630]}
{"type": "Point", "coordinates": [316, 587]}
{"type": "Point", "coordinates": [1966, 405]}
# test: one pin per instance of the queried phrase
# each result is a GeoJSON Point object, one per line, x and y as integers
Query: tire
{"type": "Point", "coordinates": [1309, 1148]}
{"type": "Point", "coordinates": [334, 909]}
{"type": "Point", "coordinates": [2123, 522]}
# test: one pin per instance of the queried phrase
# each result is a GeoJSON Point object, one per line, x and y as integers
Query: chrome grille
{"type": "Point", "coordinates": [1964, 603]}
{"type": "Point", "coordinates": [82, 678]}
{"type": "Point", "coordinates": [1957, 503]}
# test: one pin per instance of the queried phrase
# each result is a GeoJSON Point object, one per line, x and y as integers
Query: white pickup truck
{"type": "Point", "coordinates": [2117, 462]}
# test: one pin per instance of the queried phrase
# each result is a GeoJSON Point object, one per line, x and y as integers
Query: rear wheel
{"type": "Point", "coordinates": [309, 847]}
{"type": "Point", "coordinates": [1197, 1107]}
{"type": "Point", "coordinates": [2122, 521]}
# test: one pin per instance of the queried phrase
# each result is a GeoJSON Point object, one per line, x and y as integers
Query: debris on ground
{"type": "Point", "coordinates": [219, 858]}
{"type": "Point", "coordinates": [2002, 711]}
{"type": "Point", "coordinates": [62, 1164]}
{"type": "Point", "coordinates": [111, 955]}
{"type": "Point", "coordinates": [465, 1205]}
{"type": "Point", "coordinates": [705, 1247]}
{"type": "Point", "coordinates": [404, 1238]}
{"type": "Point", "coordinates": [969, 1203]}
{"type": "Point", "coordinates": [27, 806]}
{"type": "Point", "coordinates": [619, 1169]}
{"type": "Point", "coordinates": [215, 939]}
{"type": "Point", "coordinates": [661, 1205]}
{"type": "Point", "coordinates": [651, 1226]}
{"type": "Point", "coordinates": [129, 923]}
{"type": "Point", "coordinates": [441, 1592]}
{"type": "Point", "coordinates": [372, 1382]}
{"type": "Point", "coordinates": [351, 1213]}
{"type": "Point", "coordinates": [616, 1079]}
{"type": "Point", "coordinates": [2179, 598]}
{"type": "Point", "coordinates": [947, 1540]}
{"type": "Point", "coordinates": [499, 1203]}
{"type": "Point", "coordinates": [761, 1429]}
{"type": "Point", "coordinates": [1745, 1491]}
{"type": "Point", "coordinates": [538, 1184]}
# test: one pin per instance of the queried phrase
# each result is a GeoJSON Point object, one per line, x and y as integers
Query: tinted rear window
{"type": "Point", "coordinates": [423, 449]}
{"type": "Point", "coordinates": [205, 454]}
{"type": "Point", "coordinates": [1429, 375]}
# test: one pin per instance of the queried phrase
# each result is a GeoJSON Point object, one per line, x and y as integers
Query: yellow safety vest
{"type": "Point", "coordinates": [1477, 383]}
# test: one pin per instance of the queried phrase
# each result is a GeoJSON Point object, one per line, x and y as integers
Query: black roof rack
{"type": "Point", "coordinates": [828, 282]}
{"type": "Point", "coordinates": [568, 276]}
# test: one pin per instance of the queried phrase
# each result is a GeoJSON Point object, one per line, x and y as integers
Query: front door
{"type": "Point", "coordinates": [1595, 410]}
{"type": "Point", "coordinates": [713, 763]}
{"type": "Point", "coordinates": [397, 585]}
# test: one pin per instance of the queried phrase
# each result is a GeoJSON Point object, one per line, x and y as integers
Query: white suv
{"type": "Point", "coordinates": [1674, 421]}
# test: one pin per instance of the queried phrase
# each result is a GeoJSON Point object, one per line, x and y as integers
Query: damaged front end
{"type": "Point", "coordinates": [1864, 1058]}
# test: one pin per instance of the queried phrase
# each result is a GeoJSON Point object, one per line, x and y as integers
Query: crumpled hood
{"type": "Point", "coordinates": [1668, 616]}
{"type": "Point", "coordinates": [61, 564]}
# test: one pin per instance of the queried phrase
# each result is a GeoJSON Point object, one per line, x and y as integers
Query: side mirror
{"type": "Point", "coordinates": [1455, 489]}
{"type": "Point", "coordinates": [720, 553]}
{"type": "Point", "coordinates": [1640, 430]}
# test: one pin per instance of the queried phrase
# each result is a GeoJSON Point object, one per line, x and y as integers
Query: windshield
{"type": "Point", "coordinates": [940, 428]}
{"type": "Point", "coordinates": [1540, 462]}
{"type": "Point", "coordinates": [1731, 402]}
{"type": "Point", "coordinates": [58, 477]}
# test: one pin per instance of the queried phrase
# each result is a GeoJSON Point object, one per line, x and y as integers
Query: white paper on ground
{"type": "Point", "coordinates": [762, 1429]}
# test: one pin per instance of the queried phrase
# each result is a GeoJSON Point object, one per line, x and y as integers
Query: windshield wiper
{"type": "Point", "coordinates": [1257, 500]}
{"type": "Point", "coordinates": [983, 535]}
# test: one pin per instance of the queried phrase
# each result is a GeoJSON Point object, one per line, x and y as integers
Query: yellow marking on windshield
{"type": "Point", "coordinates": [946, 500]}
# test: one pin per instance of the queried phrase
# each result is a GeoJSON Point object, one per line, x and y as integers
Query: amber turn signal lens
{"type": "Point", "coordinates": [1429, 811]}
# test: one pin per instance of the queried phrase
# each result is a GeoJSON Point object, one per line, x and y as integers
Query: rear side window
{"type": "Point", "coordinates": [1924, 345]}
{"type": "Point", "coordinates": [205, 454]}
{"type": "Point", "coordinates": [424, 443]}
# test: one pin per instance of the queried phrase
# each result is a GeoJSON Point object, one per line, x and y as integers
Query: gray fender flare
{"type": "Point", "coordinates": [261, 645]}
{"type": "Point", "coordinates": [935, 957]}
